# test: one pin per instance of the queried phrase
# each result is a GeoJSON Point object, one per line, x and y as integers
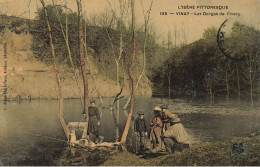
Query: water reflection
{"type": "Point", "coordinates": [40, 117]}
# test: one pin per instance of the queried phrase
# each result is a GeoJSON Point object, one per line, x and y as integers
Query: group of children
{"type": "Point", "coordinates": [165, 128]}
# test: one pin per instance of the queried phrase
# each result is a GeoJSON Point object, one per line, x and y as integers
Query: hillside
{"type": "Point", "coordinates": [30, 78]}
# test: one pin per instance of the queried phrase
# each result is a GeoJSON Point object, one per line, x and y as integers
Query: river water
{"type": "Point", "coordinates": [30, 132]}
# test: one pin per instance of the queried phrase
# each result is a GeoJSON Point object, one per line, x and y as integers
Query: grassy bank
{"type": "Point", "coordinates": [201, 154]}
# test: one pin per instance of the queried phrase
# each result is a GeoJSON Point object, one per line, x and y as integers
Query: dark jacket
{"type": "Point", "coordinates": [94, 118]}
{"type": "Point", "coordinates": [93, 111]}
{"type": "Point", "coordinates": [140, 125]}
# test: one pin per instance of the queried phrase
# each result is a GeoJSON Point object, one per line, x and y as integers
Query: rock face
{"type": "Point", "coordinates": [29, 78]}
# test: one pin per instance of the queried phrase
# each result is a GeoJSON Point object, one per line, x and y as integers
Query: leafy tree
{"type": "Point", "coordinates": [200, 68]}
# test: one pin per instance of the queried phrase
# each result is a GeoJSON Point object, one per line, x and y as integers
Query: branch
{"type": "Point", "coordinates": [116, 98]}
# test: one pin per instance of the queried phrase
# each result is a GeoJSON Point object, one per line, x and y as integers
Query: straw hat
{"type": "Point", "coordinates": [174, 118]}
{"type": "Point", "coordinates": [156, 108]}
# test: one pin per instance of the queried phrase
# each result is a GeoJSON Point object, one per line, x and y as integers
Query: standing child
{"type": "Point", "coordinates": [140, 129]}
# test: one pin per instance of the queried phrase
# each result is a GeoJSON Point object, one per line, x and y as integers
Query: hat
{"type": "Point", "coordinates": [164, 106]}
{"type": "Point", "coordinates": [157, 108]}
{"type": "Point", "coordinates": [92, 101]}
{"type": "Point", "coordinates": [174, 118]}
{"type": "Point", "coordinates": [140, 113]}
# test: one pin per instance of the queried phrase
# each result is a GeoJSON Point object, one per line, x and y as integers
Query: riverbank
{"type": "Point", "coordinates": [40, 117]}
{"type": "Point", "coordinates": [199, 154]}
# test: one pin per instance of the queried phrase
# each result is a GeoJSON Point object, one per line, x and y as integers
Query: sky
{"type": "Point", "coordinates": [188, 27]}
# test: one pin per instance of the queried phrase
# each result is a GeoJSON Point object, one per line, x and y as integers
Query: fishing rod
{"type": "Point", "coordinates": [36, 135]}
{"type": "Point", "coordinates": [45, 137]}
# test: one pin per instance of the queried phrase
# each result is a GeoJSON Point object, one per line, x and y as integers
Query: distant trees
{"type": "Point", "coordinates": [247, 40]}
{"type": "Point", "coordinates": [202, 69]}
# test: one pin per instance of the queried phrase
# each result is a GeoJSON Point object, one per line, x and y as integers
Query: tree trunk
{"type": "Point", "coordinates": [169, 87]}
{"type": "Point", "coordinates": [128, 122]}
{"type": "Point", "coordinates": [117, 78]}
{"type": "Point", "coordinates": [169, 81]}
{"type": "Point", "coordinates": [227, 84]}
{"type": "Point", "coordinates": [251, 79]}
{"type": "Point", "coordinates": [66, 38]}
{"type": "Point", "coordinates": [251, 88]}
{"type": "Point", "coordinates": [117, 102]}
{"type": "Point", "coordinates": [60, 114]}
{"type": "Point", "coordinates": [251, 92]}
{"type": "Point", "coordinates": [211, 93]}
{"type": "Point", "coordinates": [82, 58]}
{"type": "Point", "coordinates": [238, 82]}
{"type": "Point", "coordinates": [146, 21]}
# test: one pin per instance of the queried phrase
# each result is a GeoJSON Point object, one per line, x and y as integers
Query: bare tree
{"type": "Point", "coordinates": [146, 22]}
{"type": "Point", "coordinates": [184, 33]}
{"type": "Point", "coordinates": [66, 38]}
{"type": "Point", "coordinates": [128, 122]}
{"type": "Point", "coordinates": [169, 75]}
{"type": "Point", "coordinates": [226, 69]}
{"type": "Point", "coordinates": [110, 20]}
{"type": "Point", "coordinates": [82, 58]}
{"type": "Point", "coordinates": [61, 117]}
{"type": "Point", "coordinates": [245, 38]}
{"type": "Point", "coordinates": [238, 80]}
{"type": "Point", "coordinates": [175, 37]}
{"type": "Point", "coordinates": [250, 72]}
{"type": "Point", "coordinates": [87, 59]}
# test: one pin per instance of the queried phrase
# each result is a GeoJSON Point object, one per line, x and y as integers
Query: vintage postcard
{"type": "Point", "coordinates": [129, 82]}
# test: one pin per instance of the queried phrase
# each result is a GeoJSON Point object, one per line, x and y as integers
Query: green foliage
{"type": "Point", "coordinates": [200, 68]}
{"type": "Point", "coordinates": [41, 46]}
{"type": "Point", "coordinates": [210, 33]}
{"type": "Point", "coordinates": [99, 42]}
{"type": "Point", "coordinates": [189, 66]}
{"type": "Point", "coordinates": [15, 24]}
